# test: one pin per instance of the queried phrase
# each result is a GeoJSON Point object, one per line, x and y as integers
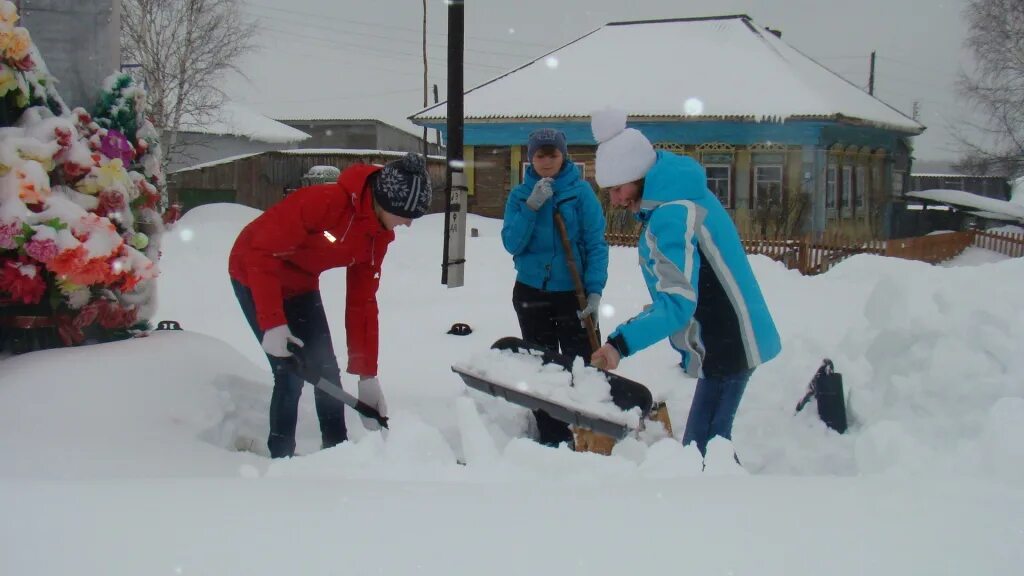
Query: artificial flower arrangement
{"type": "Point", "coordinates": [81, 197]}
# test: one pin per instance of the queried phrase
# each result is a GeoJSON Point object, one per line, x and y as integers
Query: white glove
{"type": "Point", "coordinates": [593, 305]}
{"type": "Point", "coordinates": [541, 193]}
{"type": "Point", "coordinates": [276, 340]}
{"type": "Point", "coordinates": [371, 394]}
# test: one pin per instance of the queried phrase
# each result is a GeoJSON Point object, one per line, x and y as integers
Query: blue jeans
{"type": "Point", "coordinates": [307, 321]}
{"type": "Point", "coordinates": [714, 407]}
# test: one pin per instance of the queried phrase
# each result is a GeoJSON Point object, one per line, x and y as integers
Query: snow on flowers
{"type": "Point", "coordinates": [80, 198]}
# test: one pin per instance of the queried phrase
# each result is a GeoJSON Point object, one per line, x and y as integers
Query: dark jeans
{"type": "Point", "coordinates": [307, 321]}
{"type": "Point", "coordinates": [714, 407]}
{"type": "Point", "coordinates": [550, 320]}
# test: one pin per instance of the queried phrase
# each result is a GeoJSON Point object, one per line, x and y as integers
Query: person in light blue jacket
{"type": "Point", "coordinates": [704, 297]}
{"type": "Point", "coordinates": [544, 295]}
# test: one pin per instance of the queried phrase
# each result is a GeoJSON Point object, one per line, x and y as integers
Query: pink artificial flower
{"type": "Point", "coordinates": [42, 250]}
{"type": "Point", "coordinates": [9, 234]}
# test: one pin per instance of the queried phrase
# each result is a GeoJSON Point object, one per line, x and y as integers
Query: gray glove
{"type": "Point", "coordinates": [593, 306]}
{"type": "Point", "coordinates": [541, 192]}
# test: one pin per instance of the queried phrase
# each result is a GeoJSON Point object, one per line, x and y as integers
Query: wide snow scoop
{"type": "Point", "coordinates": [626, 394]}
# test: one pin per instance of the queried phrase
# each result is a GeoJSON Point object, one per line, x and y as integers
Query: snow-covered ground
{"type": "Point", "coordinates": [141, 457]}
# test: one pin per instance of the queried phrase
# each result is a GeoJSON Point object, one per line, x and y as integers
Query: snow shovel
{"type": "Point", "coordinates": [625, 394]}
{"type": "Point", "coordinates": [826, 388]}
{"type": "Point", "coordinates": [331, 387]}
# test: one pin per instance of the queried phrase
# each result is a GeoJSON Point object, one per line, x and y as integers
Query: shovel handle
{"type": "Point", "coordinates": [581, 296]}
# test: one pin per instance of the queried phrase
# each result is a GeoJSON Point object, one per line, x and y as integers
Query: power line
{"type": "Point", "coordinates": [390, 26]}
{"type": "Point", "coordinates": [335, 98]}
{"type": "Point", "coordinates": [442, 47]}
{"type": "Point", "coordinates": [334, 44]}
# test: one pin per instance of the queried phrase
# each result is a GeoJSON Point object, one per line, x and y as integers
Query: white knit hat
{"type": "Point", "coordinates": [623, 154]}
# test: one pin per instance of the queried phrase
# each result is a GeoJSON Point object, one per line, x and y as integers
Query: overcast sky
{"type": "Point", "coordinates": [363, 59]}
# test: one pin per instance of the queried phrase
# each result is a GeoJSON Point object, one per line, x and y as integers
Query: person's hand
{"type": "Point", "coordinates": [276, 340]}
{"type": "Point", "coordinates": [541, 193]}
{"type": "Point", "coordinates": [593, 305]}
{"type": "Point", "coordinates": [371, 394]}
{"type": "Point", "coordinates": [606, 358]}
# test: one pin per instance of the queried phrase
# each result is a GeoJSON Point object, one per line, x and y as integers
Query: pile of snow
{"type": "Point", "coordinates": [144, 456]}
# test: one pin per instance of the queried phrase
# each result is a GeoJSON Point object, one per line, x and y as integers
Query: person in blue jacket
{"type": "Point", "coordinates": [704, 297]}
{"type": "Point", "coordinates": [544, 294]}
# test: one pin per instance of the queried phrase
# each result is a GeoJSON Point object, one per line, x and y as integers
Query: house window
{"type": "Point", "coordinates": [582, 167]}
{"type": "Point", "coordinates": [897, 183]}
{"type": "Point", "coordinates": [831, 191]}
{"type": "Point", "coordinates": [720, 183]}
{"type": "Point", "coordinates": [861, 187]}
{"type": "Point", "coordinates": [767, 186]}
{"type": "Point", "coordinates": [847, 190]}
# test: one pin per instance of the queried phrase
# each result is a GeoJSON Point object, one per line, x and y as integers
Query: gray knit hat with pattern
{"type": "Point", "coordinates": [402, 187]}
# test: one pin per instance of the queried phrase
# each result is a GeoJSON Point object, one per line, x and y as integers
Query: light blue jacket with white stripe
{"type": "Point", "coordinates": [705, 298]}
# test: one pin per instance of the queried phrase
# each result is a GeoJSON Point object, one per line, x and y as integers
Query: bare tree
{"type": "Point", "coordinates": [996, 88]}
{"type": "Point", "coordinates": [183, 49]}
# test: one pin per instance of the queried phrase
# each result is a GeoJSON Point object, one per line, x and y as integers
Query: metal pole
{"type": "Point", "coordinates": [452, 270]}
{"type": "Point", "coordinates": [426, 145]}
{"type": "Point", "coordinates": [871, 78]}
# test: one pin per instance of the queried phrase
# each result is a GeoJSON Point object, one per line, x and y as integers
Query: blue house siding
{"type": "Point", "coordinates": [802, 133]}
{"type": "Point", "coordinates": [816, 140]}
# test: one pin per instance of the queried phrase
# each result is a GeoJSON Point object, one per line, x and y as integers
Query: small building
{"type": "Point", "coordinates": [789, 146]}
{"type": "Point", "coordinates": [364, 133]}
{"type": "Point", "coordinates": [233, 130]}
{"type": "Point", "coordinates": [942, 198]}
{"type": "Point", "coordinates": [260, 180]}
{"type": "Point", "coordinates": [989, 186]}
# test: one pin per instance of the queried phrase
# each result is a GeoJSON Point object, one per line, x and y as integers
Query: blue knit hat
{"type": "Point", "coordinates": [546, 137]}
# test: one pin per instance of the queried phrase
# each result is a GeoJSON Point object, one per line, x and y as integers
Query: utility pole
{"type": "Point", "coordinates": [917, 110]}
{"type": "Point", "coordinates": [871, 78]}
{"type": "Point", "coordinates": [453, 268]}
{"type": "Point", "coordinates": [426, 142]}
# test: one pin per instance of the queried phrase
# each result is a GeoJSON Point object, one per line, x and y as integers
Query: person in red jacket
{"type": "Point", "coordinates": [275, 265]}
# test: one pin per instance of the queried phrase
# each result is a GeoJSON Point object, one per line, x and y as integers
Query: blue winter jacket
{"type": "Point", "coordinates": [705, 298]}
{"type": "Point", "coordinates": [534, 242]}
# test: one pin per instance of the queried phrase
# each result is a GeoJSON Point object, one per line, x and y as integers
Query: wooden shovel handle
{"type": "Point", "coordinates": [581, 296]}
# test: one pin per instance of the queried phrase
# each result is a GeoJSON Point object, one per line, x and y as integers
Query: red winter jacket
{"type": "Point", "coordinates": [281, 254]}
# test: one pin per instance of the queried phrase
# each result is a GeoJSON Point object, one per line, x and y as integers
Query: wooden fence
{"type": "Point", "coordinates": [816, 255]}
{"type": "Point", "coordinates": [1008, 243]}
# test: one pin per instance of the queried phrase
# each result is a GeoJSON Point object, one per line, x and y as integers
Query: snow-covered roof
{"type": "Point", "coordinates": [974, 201]}
{"type": "Point", "coordinates": [699, 69]}
{"type": "Point", "coordinates": [950, 175]}
{"type": "Point", "coordinates": [1017, 191]}
{"type": "Point", "coordinates": [307, 152]}
{"type": "Point", "coordinates": [217, 162]}
{"type": "Point", "coordinates": [237, 120]}
{"type": "Point", "coordinates": [349, 152]}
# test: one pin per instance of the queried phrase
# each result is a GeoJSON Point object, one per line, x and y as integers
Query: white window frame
{"type": "Point", "coordinates": [831, 189]}
{"type": "Point", "coordinates": [897, 183]}
{"type": "Point", "coordinates": [860, 202]}
{"type": "Point", "coordinates": [728, 183]}
{"type": "Point", "coordinates": [757, 181]}
{"type": "Point", "coordinates": [847, 188]}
